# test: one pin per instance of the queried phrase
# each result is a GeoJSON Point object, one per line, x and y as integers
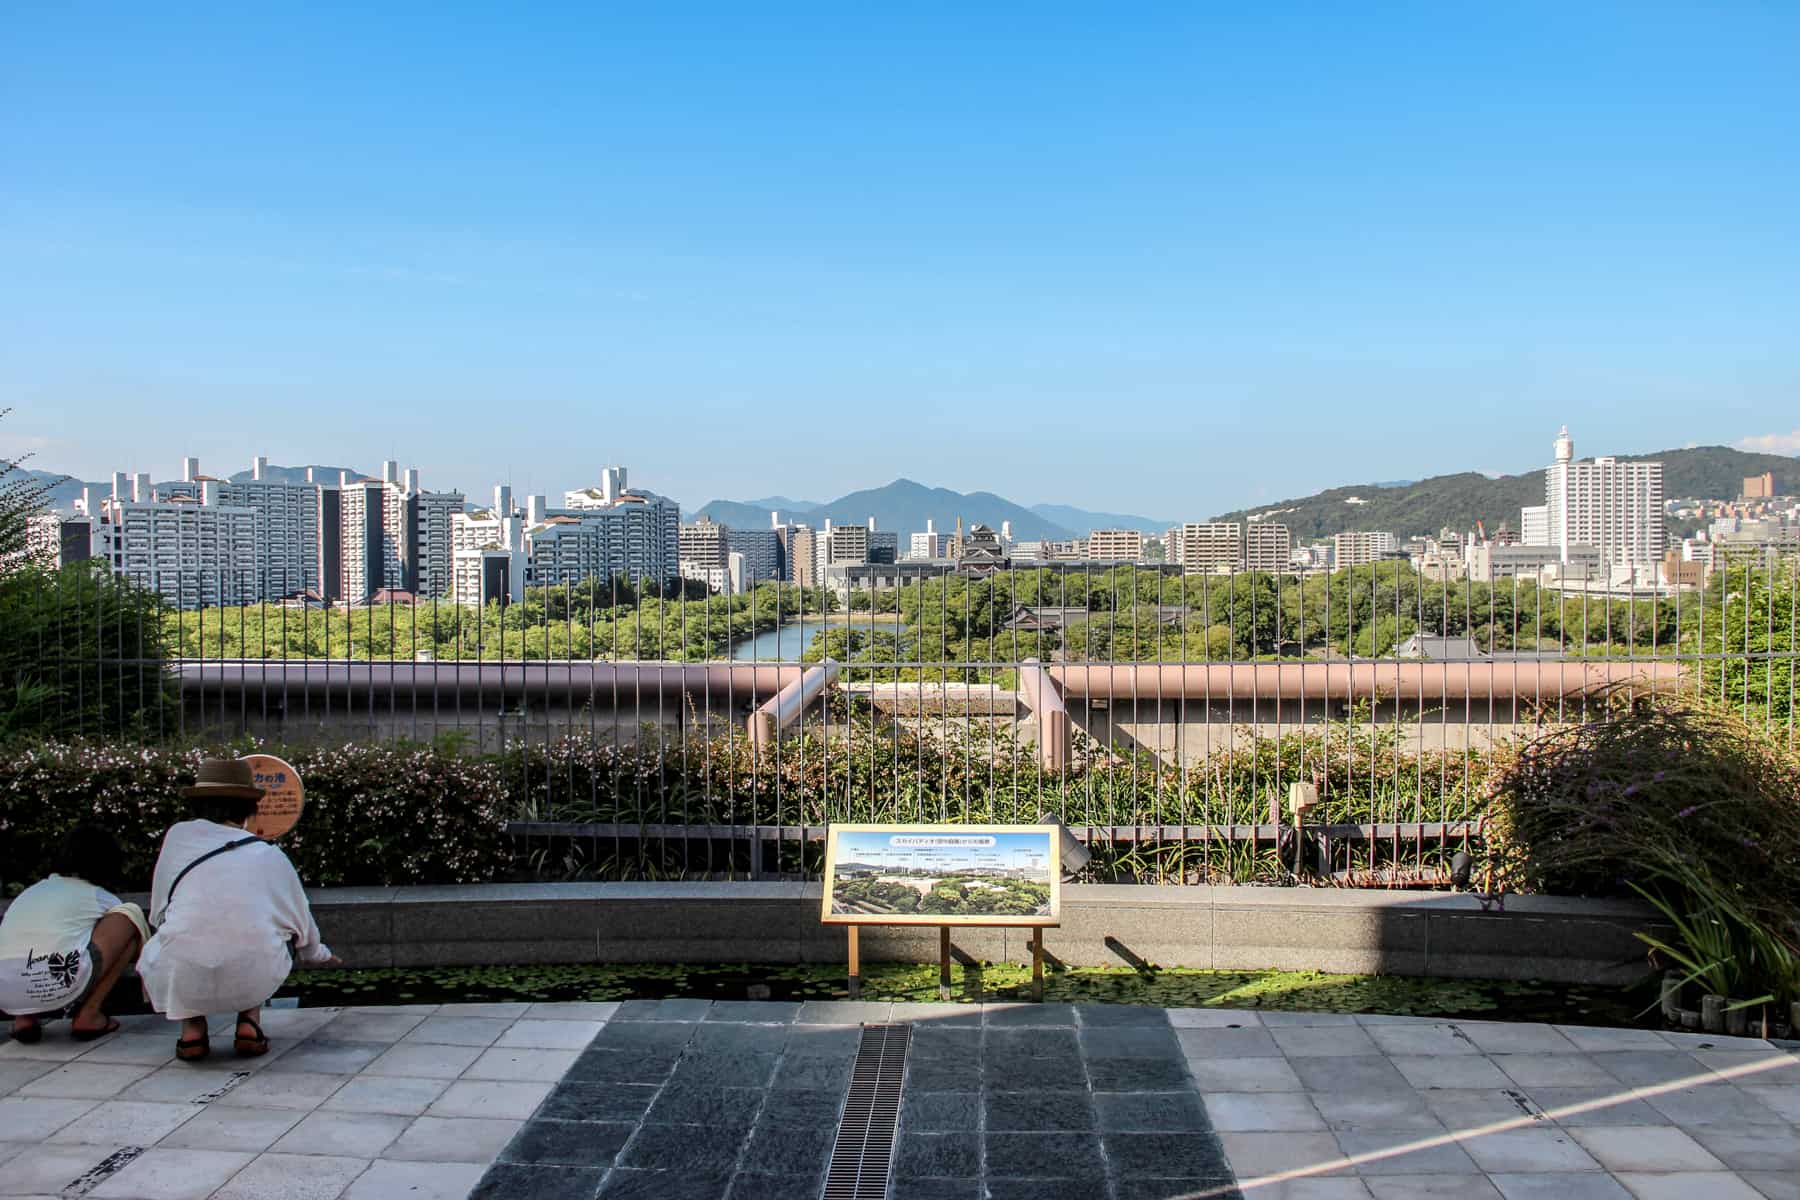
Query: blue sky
{"type": "Point", "coordinates": [1202, 256]}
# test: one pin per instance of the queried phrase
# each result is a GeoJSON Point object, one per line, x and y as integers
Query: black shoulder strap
{"type": "Point", "coordinates": [213, 853]}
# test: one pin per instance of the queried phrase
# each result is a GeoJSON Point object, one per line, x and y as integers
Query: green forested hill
{"type": "Point", "coordinates": [1713, 472]}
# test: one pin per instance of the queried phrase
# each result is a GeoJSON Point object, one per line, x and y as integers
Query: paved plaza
{"type": "Point", "coordinates": [702, 1101]}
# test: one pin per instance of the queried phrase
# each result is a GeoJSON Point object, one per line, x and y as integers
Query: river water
{"type": "Point", "coordinates": [789, 642]}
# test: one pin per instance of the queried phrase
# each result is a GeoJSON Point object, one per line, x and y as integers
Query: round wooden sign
{"type": "Point", "coordinates": [283, 798]}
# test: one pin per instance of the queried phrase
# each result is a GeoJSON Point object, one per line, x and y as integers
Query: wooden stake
{"type": "Point", "coordinates": [1037, 963]}
{"type": "Point", "coordinates": [855, 964]}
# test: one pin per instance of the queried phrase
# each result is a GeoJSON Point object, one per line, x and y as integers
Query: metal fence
{"type": "Point", "coordinates": [1162, 716]}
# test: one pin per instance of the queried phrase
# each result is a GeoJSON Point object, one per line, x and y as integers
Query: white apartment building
{"type": "Point", "coordinates": [706, 554]}
{"type": "Point", "coordinates": [1115, 545]}
{"type": "Point", "coordinates": [928, 545]}
{"type": "Point", "coordinates": [1360, 548]}
{"type": "Point", "coordinates": [1207, 547]}
{"type": "Point", "coordinates": [196, 552]}
{"type": "Point", "coordinates": [1534, 525]}
{"type": "Point", "coordinates": [1267, 546]}
{"type": "Point", "coordinates": [287, 526]}
{"type": "Point", "coordinates": [487, 553]}
{"type": "Point", "coordinates": [602, 533]}
{"type": "Point", "coordinates": [1615, 507]}
{"type": "Point", "coordinates": [841, 545]}
{"type": "Point", "coordinates": [393, 535]}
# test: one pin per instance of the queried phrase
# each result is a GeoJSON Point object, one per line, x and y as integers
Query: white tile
{"type": "Point", "coordinates": [1256, 1154]}
{"type": "Point", "coordinates": [1508, 1037]}
{"type": "Point", "coordinates": [177, 1083]}
{"type": "Point", "coordinates": [387, 1179]}
{"type": "Point", "coordinates": [490, 1098]}
{"type": "Point", "coordinates": [1645, 1148]}
{"type": "Point", "coordinates": [49, 1169]}
{"type": "Point", "coordinates": [293, 1177]}
{"type": "Point", "coordinates": [1213, 1018]}
{"type": "Point", "coordinates": [1244, 1075]}
{"type": "Point", "coordinates": [1322, 1041]}
{"type": "Point", "coordinates": [453, 1139]}
{"type": "Point", "coordinates": [544, 1066]}
{"type": "Point", "coordinates": [1277, 1020]}
{"type": "Point", "coordinates": [1403, 1152]}
{"type": "Point", "coordinates": [1714, 1041]}
{"type": "Point", "coordinates": [1783, 1101]}
{"type": "Point", "coordinates": [28, 1120]}
{"type": "Point", "coordinates": [302, 1090]}
{"type": "Point", "coordinates": [251, 1130]}
{"type": "Point", "coordinates": [361, 1026]}
{"type": "Point", "coordinates": [149, 1049]}
{"type": "Point", "coordinates": [1753, 1147]}
{"type": "Point", "coordinates": [1695, 1186]}
{"type": "Point", "coordinates": [1431, 1187]}
{"type": "Point", "coordinates": [424, 1060]}
{"type": "Point", "coordinates": [342, 1134]}
{"type": "Point", "coordinates": [510, 1011]}
{"type": "Point", "coordinates": [1532, 1150]}
{"type": "Point", "coordinates": [1586, 1185]}
{"type": "Point", "coordinates": [1595, 1039]}
{"type": "Point", "coordinates": [573, 1011]}
{"type": "Point", "coordinates": [1552, 1070]}
{"type": "Point", "coordinates": [457, 1031]}
{"type": "Point", "coordinates": [1262, 1111]}
{"type": "Point", "coordinates": [85, 1081]}
{"type": "Point", "coordinates": [125, 1123]}
{"type": "Point", "coordinates": [16, 1073]}
{"type": "Point", "coordinates": [393, 1010]}
{"type": "Point", "coordinates": [1421, 1039]}
{"type": "Point", "coordinates": [1387, 1108]}
{"type": "Point", "coordinates": [551, 1035]}
{"type": "Point", "coordinates": [51, 1049]}
{"type": "Point", "coordinates": [1452, 1072]}
{"type": "Point", "coordinates": [172, 1175]}
{"type": "Point", "coordinates": [400, 1096]}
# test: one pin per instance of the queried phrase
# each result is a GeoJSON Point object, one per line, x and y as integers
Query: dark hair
{"type": "Point", "coordinates": [232, 810]}
{"type": "Point", "coordinates": [90, 852]}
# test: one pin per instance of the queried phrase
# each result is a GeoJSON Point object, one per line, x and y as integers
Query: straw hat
{"type": "Point", "coordinates": [225, 778]}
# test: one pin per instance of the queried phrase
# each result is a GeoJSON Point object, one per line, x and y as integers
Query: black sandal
{"type": "Point", "coordinates": [250, 1047]}
{"type": "Point", "coordinates": [193, 1049]}
{"type": "Point", "coordinates": [31, 1035]}
{"type": "Point", "coordinates": [90, 1035]}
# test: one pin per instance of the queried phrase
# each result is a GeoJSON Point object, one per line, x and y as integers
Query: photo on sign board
{"type": "Point", "coordinates": [942, 875]}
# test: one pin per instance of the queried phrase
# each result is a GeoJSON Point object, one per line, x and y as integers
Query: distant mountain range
{"type": "Point", "coordinates": [1457, 501]}
{"type": "Point", "coordinates": [904, 506]}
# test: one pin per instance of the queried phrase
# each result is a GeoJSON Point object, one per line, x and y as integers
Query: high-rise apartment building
{"type": "Point", "coordinates": [1115, 545]}
{"type": "Point", "coordinates": [602, 533]}
{"type": "Point", "coordinates": [1534, 525]}
{"type": "Point", "coordinates": [393, 536]}
{"type": "Point", "coordinates": [1357, 549]}
{"type": "Point", "coordinates": [487, 553]}
{"type": "Point", "coordinates": [761, 551]}
{"type": "Point", "coordinates": [706, 554]}
{"type": "Point", "coordinates": [1615, 507]}
{"type": "Point", "coordinates": [195, 551]}
{"type": "Point", "coordinates": [1267, 546]}
{"type": "Point", "coordinates": [1208, 547]}
{"type": "Point", "coordinates": [1759, 487]}
{"type": "Point", "coordinates": [927, 545]}
{"type": "Point", "coordinates": [800, 547]}
{"type": "Point", "coordinates": [287, 527]}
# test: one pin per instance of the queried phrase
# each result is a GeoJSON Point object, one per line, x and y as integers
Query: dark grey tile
{"type": "Point", "coordinates": [1151, 1112]}
{"type": "Point", "coordinates": [662, 1010]}
{"type": "Point", "coordinates": [763, 1012]}
{"type": "Point", "coordinates": [819, 1074]}
{"type": "Point", "coordinates": [947, 1042]}
{"type": "Point", "coordinates": [578, 1100]}
{"type": "Point", "coordinates": [940, 1112]}
{"type": "Point", "coordinates": [947, 1154]}
{"type": "Point", "coordinates": [760, 1039]}
{"type": "Point", "coordinates": [823, 1041]}
{"type": "Point", "coordinates": [1213, 1187]}
{"type": "Point", "coordinates": [803, 1107]}
{"type": "Point", "coordinates": [935, 1189]}
{"type": "Point", "coordinates": [731, 1110]}
{"type": "Point", "coordinates": [1137, 1074]}
{"type": "Point", "coordinates": [943, 1077]}
{"type": "Point", "coordinates": [1113, 1015]}
{"type": "Point", "coordinates": [513, 1181]}
{"type": "Point", "coordinates": [1029, 1014]}
{"type": "Point", "coordinates": [1037, 1112]}
{"type": "Point", "coordinates": [1031, 1043]}
{"type": "Point", "coordinates": [643, 1035]}
{"type": "Point", "coordinates": [1130, 1042]}
{"type": "Point", "coordinates": [624, 1184]}
{"type": "Point", "coordinates": [1041, 1155]}
{"type": "Point", "coordinates": [1165, 1155]}
{"type": "Point", "coordinates": [686, 1148]}
{"type": "Point", "coordinates": [568, 1143]}
{"type": "Point", "coordinates": [725, 1069]}
{"type": "Point", "coordinates": [842, 1012]}
{"type": "Point", "coordinates": [788, 1150]}
{"type": "Point", "coordinates": [751, 1186]}
{"type": "Point", "coordinates": [1003, 1074]}
{"type": "Point", "coordinates": [621, 1066]}
{"type": "Point", "coordinates": [1085, 1188]}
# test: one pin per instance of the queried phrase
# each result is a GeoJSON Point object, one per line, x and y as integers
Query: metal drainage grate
{"type": "Point", "coordinates": [865, 1142]}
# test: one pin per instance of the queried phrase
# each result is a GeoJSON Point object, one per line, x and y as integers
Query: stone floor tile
{"type": "Point", "coordinates": [424, 1060]}
{"type": "Point", "coordinates": [16, 1073]}
{"type": "Point", "coordinates": [1431, 1187]}
{"type": "Point", "coordinates": [1323, 1041]}
{"type": "Point", "coordinates": [1776, 1185]}
{"type": "Point", "coordinates": [632, 1184]}
{"type": "Point", "coordinates": [550, 1035]}
{"type": "Point", "coordinates": [1765, 1068]}
{"type": "Point", "coordinates": [1126, 1041]}
{"type": "Point", "coordinates": [1783, 1101]}
{"type": "Point", "coordinates": [792, 1152]}
{"type": "Point", "coordinates": [1403, 1152]}
{"type": "Point", "coordinates": [1652, 1066]}
{"type": "Point", "coordinates": [1214, 1018]}
{"type": "Point", "coordinates": [1587, 1185]}
{"type": "Point", "coordinates": [1552, 1070]}
{"type": "Point", "coordinates": [150, 1049]}
{"type": "Point", "coordinates": [1046, 1042]}
{"type": "Point", "coordinates": [32, 1120]}
{"type": "Point", "coordinates": [679, 1148]}
{"type": "Point", "coordinates": [1694, 1186]}
{"type": "Point", "coordinates": [304, 1090]}
{"type": "Point", "coordinates": [344, 1134]}
{"type": "Point", "coordinates": [800, 1071]}
{"type": "Point", "coordinates": [1712, 1104]}
{"type": "Point", "coordinates": [572, 1011]}
{"type": "Point", "coordinates": [1279, 1020]}
{"type": "Point", "coordinates": [1453, 1072]}
{"type": "Point", "coordinates": [1009, 1016]}
{"type": "Point", "coordinates": [387, 1179]}
{"type": "Point", "coordinates": [1529, 1151]}
{"type": "Point", "coordinates": [364, 1025]}
{"type": "Point", "coordinates": [400, 1096]}
{"type": "Point", "coordinates": [125, 1123]}
{"type": "Point", "coordinates": [513, 1063]}
{"type": "Point", "coordinates": [940, 1112]}
{"type": "Point", "coordinates": [381, 1010]}
{"type": "Point", "coordinates": [936, 1189]}
{"type": "Point", "coordinates": [172, 1175]}
{"type": "Point", "coordinates": [48, 1170]}
{"type": "Point", "coordinates": [83, 1080]}
{"type": "Point", "coordinates": [843, 1012]}
{"type": "Point", "coordinates": [1037, 1112]}
{"type": "Point", "coordinates": [1371, 1073]}
{"type": "Point", "coordinates": [1713, 1041]}
{"type": "Point", "coordinates": [1596, 1039]}
{"type": "Point", "coordinates": [322, 1057]}
{"type": "Point", "coordinates": [179, 1083]}
{"type": "Point", "coordinates": [579, 1100]}
{"type": "Point", "coordinates": [453, 1139]}
{"type": "Point", "coordinates": [1378, 1110]}
{"type": "Point", "coordinates": [1645, 1148]}
{"type": "Point", "coordinates": [57, 1046]}
{"type": "Point", "coordinates": [1591, 1106]}
{"type": "Point", "coordinates": [752, 1185]}
{"type": "Point", "coordinates": [1245, 1075]}
{"type": "Point", "coordinates": [730, 1110]}
{"type": "Point", "coordinates": [736, 1037]}
{"type": "Point", "coordinates": [625, 1064]}
{"type": "Point", "coordinates": [754, 1012]}
{"type": "Point", "coordinates": [508, 1010]}
{"type": "Point", "coordinates": [1121, 1074]}
{"type": "Point", "coordinates": [457, 1031]}
{"type": "Point", "coordinates": [1472, 1108]}
{"type": "Point", "coordinates": [293, 1177]}
{"type": "Point", "coordinates": [1330, 1187]}
{"type": "Point", "coordinates": [937, 1015]}
{"type": "Point", "coordinates": [1511, 1037]}
{"type": "Point", "coordinates": [528, 1181]}
{"type": "Point", "coordinates": [1153, 1112]}
{"type": "Point", "coordinates": [572, 1143]}
{"type": "Point", "coordinates": [1754, 1147]}
{"type": "Point", "coordinates": [1250, 1112]}
{"type": "Point", "coordinates": [955, 1155]}
{"type": "Point", "coordinates": [295, 1022]}
{"type": "Point", "coordinates": [1227, 1043]}
{"type": "Point", "coordinates": [513, 1101]}
{"type": "Point", "coordinates": [1440, 1040]}
{"type": "Point", "coordinates": [1253, 1154]}
{"type": "Point", "coordinates": [1113, 1016]}
{"type": "Point", "coordinates": [250, 1130]}
{"type": "Point", "coordinates": [1171, 1155]}
{"type": "Point", "coordinates": [820, 1041]}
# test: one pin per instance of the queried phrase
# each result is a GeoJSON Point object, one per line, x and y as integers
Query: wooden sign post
{"type": "Point", "coordinates": [943, 875]}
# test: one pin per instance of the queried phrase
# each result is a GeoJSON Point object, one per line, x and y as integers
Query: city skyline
{"type": "Point", "coordinates": [814, 253]}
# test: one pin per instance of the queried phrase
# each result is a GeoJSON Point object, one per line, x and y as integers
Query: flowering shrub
{"type": "Point", "coordinates": [375, 814]}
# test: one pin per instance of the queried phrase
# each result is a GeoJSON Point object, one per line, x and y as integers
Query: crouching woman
{"type": "Point", "coordinates": [231, 917]}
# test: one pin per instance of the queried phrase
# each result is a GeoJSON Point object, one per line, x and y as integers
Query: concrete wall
{"type": "Point", "coordinates": [1225, 928]}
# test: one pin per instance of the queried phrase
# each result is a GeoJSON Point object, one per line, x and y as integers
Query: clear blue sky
{"type": "Point", "coordinates": [1172, 262]}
